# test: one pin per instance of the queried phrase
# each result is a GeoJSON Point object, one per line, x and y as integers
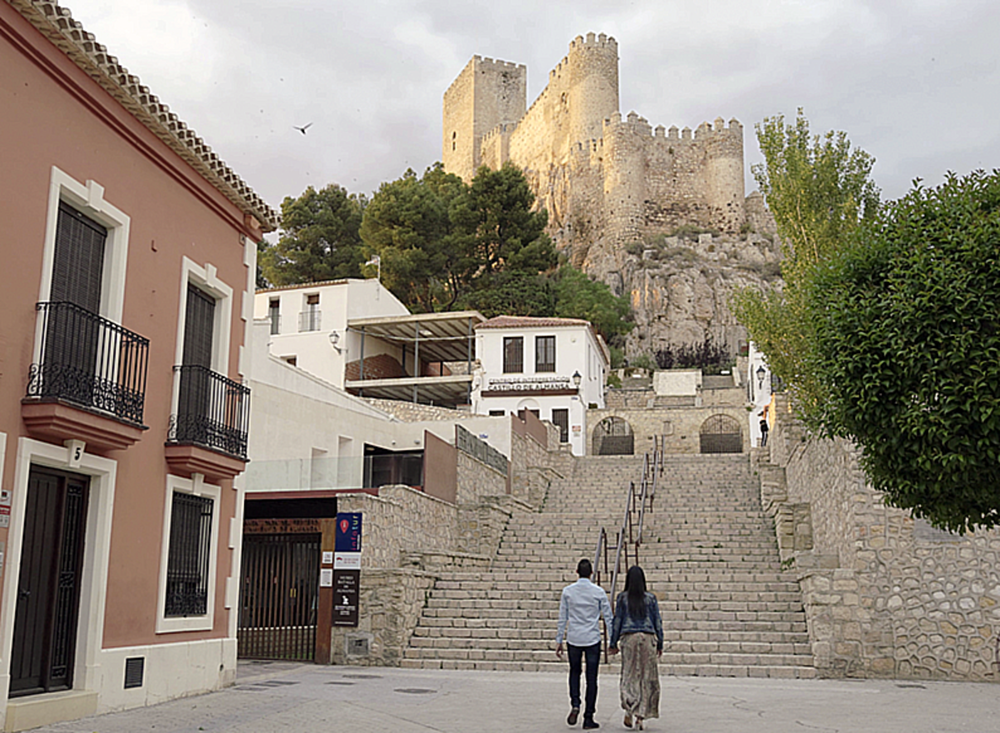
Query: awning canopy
{"type": "Point", "coordinates": [447, 391]}
{"type": "Point", "coordinates": [440, 336]}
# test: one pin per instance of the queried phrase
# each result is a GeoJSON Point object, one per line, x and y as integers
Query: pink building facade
{"type": "Point", "coordinates": [128, 274]}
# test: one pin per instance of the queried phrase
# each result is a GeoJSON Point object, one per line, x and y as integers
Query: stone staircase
{"type": "Point", "coordinates": [709, 554]}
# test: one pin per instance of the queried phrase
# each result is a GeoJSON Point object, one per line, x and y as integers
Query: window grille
{"type": "Point", "coordinates": [513, 354]}
{"type": "Point", "coordinates": [545, 353]}
{"type": "Point", "coordinates": [188, 555]}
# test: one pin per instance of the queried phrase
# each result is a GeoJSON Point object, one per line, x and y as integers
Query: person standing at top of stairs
{"type": "Point", "coordinates": [580, 608]}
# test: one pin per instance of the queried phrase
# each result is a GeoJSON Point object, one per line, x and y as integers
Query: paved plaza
{"type": "Point", "coordinates": [276, 697]}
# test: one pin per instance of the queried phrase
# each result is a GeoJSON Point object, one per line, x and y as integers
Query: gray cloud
{"type": "Point", "coordinates": [911, 81]}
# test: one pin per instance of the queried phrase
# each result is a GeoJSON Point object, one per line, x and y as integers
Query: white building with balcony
{"type": "Point", "coordinates": [553, 367]}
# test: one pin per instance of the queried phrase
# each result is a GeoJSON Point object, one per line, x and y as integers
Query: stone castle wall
{"type": "Point", "coordinates": [885, 595]}
{"type": "Point", "coordinates": [602, 179]}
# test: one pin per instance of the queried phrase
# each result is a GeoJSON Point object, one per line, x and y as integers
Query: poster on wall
{"type": "Point", "coordinates": [348, 536]}
{"type": "Point", "coordinates": [347, 569]}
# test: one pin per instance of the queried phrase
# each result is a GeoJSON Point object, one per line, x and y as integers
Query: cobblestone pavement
{"type": "Point", "coordinates": [271, 698]}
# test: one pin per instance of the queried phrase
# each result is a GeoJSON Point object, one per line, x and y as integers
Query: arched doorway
{"type": "Point", "coordinates": [721, 434]}
{"type": "Point", "coordinates": [613, 437]}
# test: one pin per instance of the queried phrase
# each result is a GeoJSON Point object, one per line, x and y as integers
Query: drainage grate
{"type": "Point", "coordinates": [912, 686]}
{"type": "Point", "coordinates": [277, 683]}
{"type": "Point", "coordinates": [415, 690]}
{"type": "Point", "coordinates": [134, 667]}
{"type": "Point", "coordinates": [338, 682]}
{"type": "Point", "coordinates": [361, 676]}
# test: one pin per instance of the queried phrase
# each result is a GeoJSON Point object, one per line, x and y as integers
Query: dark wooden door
{"type": "Point", "coordinates": [48, 592]}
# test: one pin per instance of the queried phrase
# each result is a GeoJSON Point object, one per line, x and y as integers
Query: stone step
{"type": "Point", "coordinates": [678, 670]}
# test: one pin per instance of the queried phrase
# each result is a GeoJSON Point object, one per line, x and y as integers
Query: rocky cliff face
{"type": "Point", "coordinates": [680, 284]}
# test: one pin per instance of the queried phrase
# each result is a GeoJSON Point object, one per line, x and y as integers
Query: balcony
{"type": "Point", "coordinates": [208, 432]}
{"type": "Point", "coordinates": [309, 321]}
{"type": "Point", "coordinates": [89, 382]}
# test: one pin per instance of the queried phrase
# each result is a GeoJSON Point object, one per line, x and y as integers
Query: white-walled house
{"type": "Point", "coordinates": [553, 367]}
{"type": "Point", "coordinates": [308, 323]}
{"type": "Point", "coordinates": [358, 336]}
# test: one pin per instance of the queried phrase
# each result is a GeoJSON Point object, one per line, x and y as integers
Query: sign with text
{"type": "Point", "coordinates": [345, 597]}
{"type": "Point", "coordinates": [347, 561]}
{"type": "Point", "coordinates": [348, 536]}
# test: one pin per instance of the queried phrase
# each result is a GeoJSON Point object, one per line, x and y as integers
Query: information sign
{"type": "Point", "coordinates": [345, 597]}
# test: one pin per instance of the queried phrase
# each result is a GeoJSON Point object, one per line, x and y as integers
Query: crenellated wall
{"type": "Point", "coordinates": [603, 179]}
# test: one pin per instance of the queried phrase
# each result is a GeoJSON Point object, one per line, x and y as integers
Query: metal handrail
{"type": "Point", "coordinates": [652, 467]}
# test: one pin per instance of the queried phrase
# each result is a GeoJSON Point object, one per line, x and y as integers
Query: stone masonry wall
{"type": "Point", "coordinates": [680, 426]}
{"type": "Point", "coordinates": [885, 595]}
{"type": "Point", "coordinates": [398, 520]}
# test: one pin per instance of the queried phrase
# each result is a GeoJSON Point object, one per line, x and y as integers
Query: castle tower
{"type": "Point", "coordinates": [593, 80]}
{"type": "Point", "coordinates": [485, 94]}
{"type": "Point", "coordinates": [724, 173]}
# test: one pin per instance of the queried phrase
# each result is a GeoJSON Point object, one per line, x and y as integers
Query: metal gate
{"type": "Point", "coordinates": [721, 434]}
{"type": "Point", "coordinates": [613, 437]}
{"type": "Point", "coordinates": [280, 596]}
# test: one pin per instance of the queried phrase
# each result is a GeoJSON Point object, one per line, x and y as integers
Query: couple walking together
{"type": "Point", "coordinates": [636, 631]}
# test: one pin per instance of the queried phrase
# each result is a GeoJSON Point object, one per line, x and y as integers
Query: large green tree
{"type": "Point", "coordinates": [504, 232]}
{"type": "Point", "coordinates": [818, 189]}
{"type": "Point", "coordinates": [319, 238]}
{"type": "Point", "coordinates": [444, 244]}
{"type": "Point", "coordinates": [907, 330]}
{"type": "Point", "coordinates": [408, 224]}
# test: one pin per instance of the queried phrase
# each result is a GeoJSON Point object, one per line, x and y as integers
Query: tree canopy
{"type": "Point", "coordinates": [908, 335]}
{"type": "Point", "coordinates": [319, 238]}
{"type": "Point", "coordinates": [819, 190]}
{"type": "Point", "coordinates": [442, 245]}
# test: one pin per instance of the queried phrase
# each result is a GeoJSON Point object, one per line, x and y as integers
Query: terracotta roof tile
{"type": "Point", "coordinates": [529, 322]}
{"type": "Point", "coordinates": [56, 23]}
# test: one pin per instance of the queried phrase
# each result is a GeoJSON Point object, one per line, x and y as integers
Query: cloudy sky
{"type": "Point", "coordinates": [913, 82]}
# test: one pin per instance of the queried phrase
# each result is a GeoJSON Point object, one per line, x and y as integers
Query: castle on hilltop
{"type": "Point", "coordinates": [604, 180]}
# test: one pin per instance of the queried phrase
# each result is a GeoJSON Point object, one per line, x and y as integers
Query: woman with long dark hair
{"type": "Point", "coordinates": [638, 631]}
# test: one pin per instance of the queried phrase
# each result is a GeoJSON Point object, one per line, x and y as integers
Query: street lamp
{"type": "Point", "coordinates": [577, 379]}
{"type": "Point", "coordinates": [761, 373]}
{"type": "Point", "coordinates": [334, 340]}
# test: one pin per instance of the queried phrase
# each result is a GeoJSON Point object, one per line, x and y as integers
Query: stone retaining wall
{"type": "Point", "coordinates": [885, 595]}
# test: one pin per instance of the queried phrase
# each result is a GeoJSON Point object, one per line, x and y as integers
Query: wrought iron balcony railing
{"type": "Point", "coordinates": [89, 361]}
{"type": "Point", "coordinates": [212, 411]}
{"type": "Point", "coordinates": [309, 320]}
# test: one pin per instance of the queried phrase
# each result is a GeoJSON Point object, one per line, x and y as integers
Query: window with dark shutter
{"type": "Point", "coordinates": [78, 264]}
{"type": "Point", "coordinates": [513, 354]}
{"type": "Point", "coordinates": [545, 353]}
{"type": "Point", "coordinates": [71, 341]}
{"type": "Point", "coordinates": [198, 326]}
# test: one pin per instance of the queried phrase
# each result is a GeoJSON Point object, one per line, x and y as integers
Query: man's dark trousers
{"type": "Point", "coordinates": [576, 655]}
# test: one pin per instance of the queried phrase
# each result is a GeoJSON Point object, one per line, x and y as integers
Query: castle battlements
{"type": "Point", "coordinates": [591, 41]}
{"type": "Point", "coordinates": [504, 128]}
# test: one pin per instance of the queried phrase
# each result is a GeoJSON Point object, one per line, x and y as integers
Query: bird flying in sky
{"type": "Point", "coordinates": [303, 129]}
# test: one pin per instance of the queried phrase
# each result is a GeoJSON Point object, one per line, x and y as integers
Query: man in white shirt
{"type": "Point", "coordinates": [581, 607]}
